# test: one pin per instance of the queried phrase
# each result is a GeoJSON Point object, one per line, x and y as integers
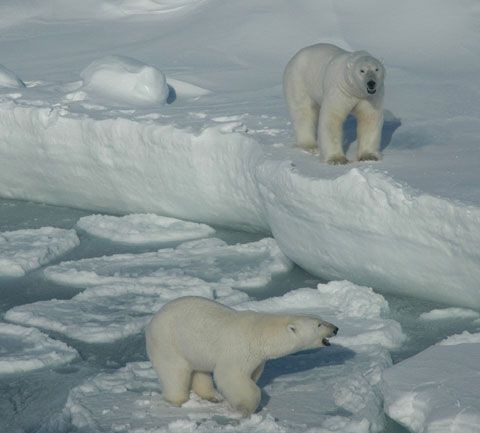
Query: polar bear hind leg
{"type": "Point", "coordinates": [238, 388]}
{"type": "Point", "coordinates": [202, 385]}
{"type": "Point", "coordinates": [369, 131]}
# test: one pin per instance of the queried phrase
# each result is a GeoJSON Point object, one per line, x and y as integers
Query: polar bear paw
{"type": "Point", "coordinates": [369, 156]}
{"type": "Point", "coordinates": [337, 160]}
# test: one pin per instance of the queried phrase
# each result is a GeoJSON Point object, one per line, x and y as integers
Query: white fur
{"type": "Point", "coordinates": [322, 85]}
{"type": "Point", "coordinates": [192, 337]}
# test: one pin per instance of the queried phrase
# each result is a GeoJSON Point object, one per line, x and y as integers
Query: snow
{"type": "Point", "coordinates": [24, 250]}
{"type": "Point", "coordinates": [450, 313]}
{"type": "Point", "coordinates": [104, 314]}
{"type": "Point", "coordinates": [120, 80]}
{"type": "Point", "coordinates": [248, 265]}
{"type": "Point", "coordinates": [334, 388]}
{"type": "Point", "coordinates": [25, 349]}
{"type": "Point", "coordinates": [222, 156]}
{"type": "Point", "coordinates": [9, 79]}
{"type": "Point", "coordinates": [141, 229]}
{"type": "Point", "coordinates": [436, 391]}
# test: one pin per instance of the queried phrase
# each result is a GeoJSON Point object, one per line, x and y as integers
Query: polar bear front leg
{"type": "Point", "coordinates": [333, 113]}
{"type": "Point", "coordinates": [238, 388]}
{"type": "Point", "coordinates": [258, 372]}
{"type": "Point", "coordinates": [202, 385]}
{"type": "Point", "coordinates": [369, 130]}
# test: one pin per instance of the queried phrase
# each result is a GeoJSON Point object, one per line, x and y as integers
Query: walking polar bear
{"type": "Point", "coordinates": [192, 337]}
{"type": "Point", "coordinates": [322, 85]}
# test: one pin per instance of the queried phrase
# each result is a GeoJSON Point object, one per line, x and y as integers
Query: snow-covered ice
{"type": "Point", "coordinates": [247, 265]}
{"type": "Point", "coordinates": [334, 388]}
{"type": "Point", "coordinates": [24, 349]}
{"type": "Point", "coordinates": [436, 391]}
{"type": "Point", "coordinates": [142, 228]}
{"type": "Point", "coordinates": [119, 80]}
{"type": "Point", "coordinates": [421, 198]}
{"type": "Point", "coordinates": [24, 250]}
{"type": "Point", "coordinates": [104, 314]}
{"type": "Point", "coordinates": [450, 313]}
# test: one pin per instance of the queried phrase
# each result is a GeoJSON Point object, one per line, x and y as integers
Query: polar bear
{"type": "Point", "coordinates": [192, 337]}
{"type": "Point", "coordinates": [322, 85]}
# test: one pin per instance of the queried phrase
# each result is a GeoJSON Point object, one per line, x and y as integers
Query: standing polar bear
{"type": "Point", "coordinates": [322, 85]}
{"type": "Point", "coordinates": [192, 337]}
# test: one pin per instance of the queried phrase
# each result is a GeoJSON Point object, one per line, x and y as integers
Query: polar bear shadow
{"type": "Point", "coordinates": [300, 362]}
{"type": "Point", "coordinates": [390, 125]}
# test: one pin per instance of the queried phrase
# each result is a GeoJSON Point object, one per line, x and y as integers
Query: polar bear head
{"type": "Point", "coordinates": [306, 332]}
{"type": "Point", "coordinates": [364, 74]}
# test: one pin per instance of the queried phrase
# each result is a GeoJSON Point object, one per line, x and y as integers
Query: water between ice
{"type": "Point", "coordinates": [27, 399]}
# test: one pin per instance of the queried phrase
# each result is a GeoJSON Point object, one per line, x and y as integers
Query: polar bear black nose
{"type": "Point", "coordinates": [371, 84]}
{"type": "Point", "coordinates": [335, 330]}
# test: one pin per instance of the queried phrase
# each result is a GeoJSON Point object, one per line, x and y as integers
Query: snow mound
{"type": "Point", "coordinates": [9, 79]}
{"type": "Point", "coordinates": [436, 391]}
{"type": "Point", "coordinates": [24, 250]}
{"type": "Point", "coordinates": [142, 228]}
{"type": "Point", "coordinates": [450, 313]}
{"type": "Point", "coordinates": [311, 385]}
{"type": "Point", "coordinates": [24, 349]}
{"type": "Point", "coordinates": [360, 313]}
{"type": "Point", "coordinates": [239, 266]}
{"type": "Point", "coordinates": [105, 314]}
{"type": "Point", "coordinates": [119, 80]}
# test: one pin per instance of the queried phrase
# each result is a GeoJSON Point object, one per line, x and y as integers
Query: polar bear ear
{"type": "Point", "coordinates": [292, 328]}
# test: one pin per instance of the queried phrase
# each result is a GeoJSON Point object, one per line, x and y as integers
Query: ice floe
{"type": "Point", "coordinates": [104, 314]}
{"type": "Point", "coordinates": [24, 250]}
{"type": "Point", "coordinates": [436, 391]}
{"type": "Point", "coordinates": [137, 229]}
{"type": "Point", "coordinates": [247, 265]}
{"type": "Point", "coordinates": [361, 314]}
{"type": "Point", "coordinates": [24, 349]}
{"type": "Point", "coordinates": [450, 313]}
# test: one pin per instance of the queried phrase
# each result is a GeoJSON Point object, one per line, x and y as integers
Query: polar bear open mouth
{"type": "Point", "coordinates": [371, 91]}
{"type": "Point", "coordinates": [325, 342]}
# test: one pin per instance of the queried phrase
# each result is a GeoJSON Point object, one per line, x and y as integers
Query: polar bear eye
{"type": "Point", "coordinates": [362, 71]}
{"type": "Point", "coordinates": [376, 69]}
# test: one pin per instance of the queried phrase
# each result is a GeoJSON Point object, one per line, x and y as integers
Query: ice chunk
{"type": "Point", "coordinates": [108, 313]}
{"type": "Point", "coordinates": [142, 228]}
{"type": "Point", "coordinates": [436, 391]}
{"type": "Point", "coordinates": [24, 250]}
{"type": "Point", "coordinates": [450, 313]}
{"type": "Point", "coordinates": [359, 312]}
{"type": "Point", "coordinates": [119, 80]}
{"type": "Point", "coordinates": [240, 266]}
{"type": "Point", "coordinates": [9, 79]}
{"type": "Point", "coordinates": [24, 349]}
{"type": "Point", "coordinates": [331, 389]}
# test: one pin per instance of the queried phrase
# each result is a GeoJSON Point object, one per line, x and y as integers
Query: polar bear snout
{"type": "Point", "coordinates": [327, 330]}
{"type": "Point", "coordinates": [371, 86]}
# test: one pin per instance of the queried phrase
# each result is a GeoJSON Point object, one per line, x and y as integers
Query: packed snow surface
{"type": "Point", "coordinates": [334, 388]}
{"type": "Point", "coordinates": [119, 80]}
{"type": "Point", "coordinates": [9, 79]}
{"type": "Point", "coordinates": [436, 391]}
{"type": "Point", "coordinates": [24, 250]}
{"type": "Point", "coordinates": [141, 229]}
{"type": "Point", "coordinates": [24, 349]}
{"type": "Point", "coordinates": [239, 266]}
